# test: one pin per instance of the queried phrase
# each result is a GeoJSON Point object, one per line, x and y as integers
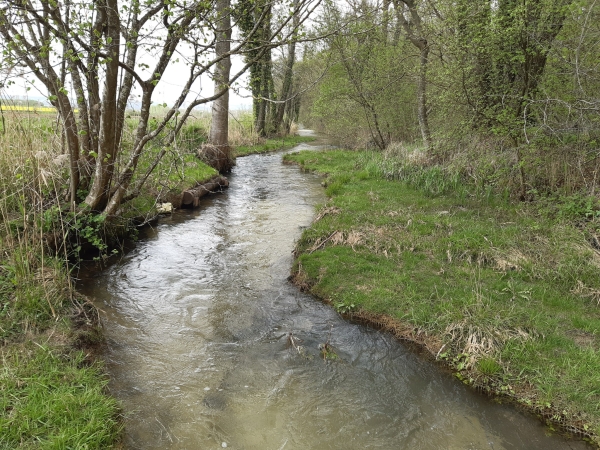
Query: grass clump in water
{"type": "Point", "coordinates": [506, 292]}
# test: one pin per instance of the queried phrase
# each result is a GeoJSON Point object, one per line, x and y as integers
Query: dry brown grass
{"type": "Point", "coordinates": [475, 341]}
{"type": "Point", "coordinates": [586, 292]}
{"type": "Point", "coordinates": [408, 154]}
{"type": "Point", "coordinates": [328, 210]}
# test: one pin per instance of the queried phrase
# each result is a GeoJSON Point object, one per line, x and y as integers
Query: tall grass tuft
{"type": "Point", "coordinates": [412, 165]}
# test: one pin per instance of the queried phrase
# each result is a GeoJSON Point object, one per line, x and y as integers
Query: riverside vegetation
{"type": "Point", "coordinates": [52, 390]}
{"type": "Point", "coordinates": [52, 387]}
{"type": "Point", "coordinates": [506, 293]}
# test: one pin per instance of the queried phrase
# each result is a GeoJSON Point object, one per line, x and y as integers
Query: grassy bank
{"type": "Point", "coordinates": [271, 145]}
{"type": "Point", "coordinates": [507, 294]}
{"type": "Point", "coordinates": [52, 389]}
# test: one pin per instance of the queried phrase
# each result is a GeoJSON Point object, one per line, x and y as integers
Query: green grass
{"type": "Point", "coordinates": [176, 173]}
{"type": "Point", "coordinates": [271, 145]}
{"type": "Point", "coordinates": [52, 394]}
{"type": "Point", "coordinates": [51, 399]}
{"type": "Point", "coordinates": [510, 292]}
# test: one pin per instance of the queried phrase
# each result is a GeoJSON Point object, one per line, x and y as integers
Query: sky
{"type": "Point", "coordinates": [167, 90]}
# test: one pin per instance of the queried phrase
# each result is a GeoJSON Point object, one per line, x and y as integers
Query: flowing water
{"type": "Point", "coordinates": [197, 318]}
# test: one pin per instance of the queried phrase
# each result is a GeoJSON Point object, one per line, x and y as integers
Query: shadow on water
{"type": "Point", "coordinates": [197, 319]}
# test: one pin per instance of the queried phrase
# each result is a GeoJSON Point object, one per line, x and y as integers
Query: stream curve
{"type": "Point", "coordinates": [197, 320]}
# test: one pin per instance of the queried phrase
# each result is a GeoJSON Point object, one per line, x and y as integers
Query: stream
{"type": "Point", "coordinates": [197, 319]}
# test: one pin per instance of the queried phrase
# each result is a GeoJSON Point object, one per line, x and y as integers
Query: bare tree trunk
{"type": "Point", "coordinates": [422, 96]}
{"type": "Point", "coordinates": [414, 32]}
{"type": "Point", "coordinates": [107, 148]}
{"type": "Point", "coordinates": [220, 157]}
{"type": "Point", "coordinates": [385, 19]}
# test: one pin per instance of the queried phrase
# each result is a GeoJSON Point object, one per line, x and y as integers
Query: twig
{"type": "Point", "coordinates": [321, 244]}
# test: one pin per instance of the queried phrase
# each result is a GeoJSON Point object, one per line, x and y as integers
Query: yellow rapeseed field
{"type": "Point", "coordinates": [45, 109]}
{"type": "Point", "coordinates": [34, 109]}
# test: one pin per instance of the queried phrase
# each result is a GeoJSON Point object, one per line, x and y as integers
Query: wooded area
{"type": "Point", "coordinates": [505, 92]}
{"type": "Point", "coordinates": [505, 89]}
{"type": "Point", "coordinates": [108, 52]}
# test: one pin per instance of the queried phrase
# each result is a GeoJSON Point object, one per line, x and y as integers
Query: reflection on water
{"type": "Point", "coordinates": [197, 319]}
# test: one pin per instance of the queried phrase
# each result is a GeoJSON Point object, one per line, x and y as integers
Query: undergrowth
{"type": "Point", "coordinates": [262, 145]}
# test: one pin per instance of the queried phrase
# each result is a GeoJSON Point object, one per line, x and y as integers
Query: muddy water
{"type": "Point", "coordinates": [197, 318]}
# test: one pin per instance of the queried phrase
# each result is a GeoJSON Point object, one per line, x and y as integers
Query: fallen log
{"type": "Point", "coordinates": [191, 197]}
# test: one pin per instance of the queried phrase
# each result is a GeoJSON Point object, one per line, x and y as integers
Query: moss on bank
{"type": "Point", "coordinates": [506, 294]}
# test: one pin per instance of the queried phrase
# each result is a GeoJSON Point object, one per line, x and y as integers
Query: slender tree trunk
{"type": "Point", "coordinates": [107, 148]}
{"type": "Point", "coordinates": [385, 19]}
{"type": "Point", "coordinates": [422, 96]}
{"type": "Point", "coordinates": [286, 89]}
{"type": "Point", "coordinates": [263, 81]}
{"type": "Point", "coordinates": [288, 78]}
{"type": "Point", "coordinates": [415, 34]}
{"type": "Point", "coordinates": [219, 129]}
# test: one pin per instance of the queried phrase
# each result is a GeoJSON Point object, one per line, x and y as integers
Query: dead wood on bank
{"type": "Point", "coordinates": [190, 198]}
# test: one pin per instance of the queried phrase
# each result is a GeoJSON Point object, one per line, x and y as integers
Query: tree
{"type": "Point", "coordinates": [285, 97]}
{"type": "Point", "coordinates": [415, 33]}
{"type": "Point", "coordinates": [256, 17]}
{"type": "Point", "coordinates": [366, 98]}
{"type": "Point", "coordinates": [112, 49]}
{"type": "Point", "coordinates": [218, 150]}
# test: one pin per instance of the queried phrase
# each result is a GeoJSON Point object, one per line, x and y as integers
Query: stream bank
{"type": "Point", "coordinates": [498, 292]}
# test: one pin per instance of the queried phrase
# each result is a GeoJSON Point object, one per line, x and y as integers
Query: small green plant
{"type": "Point", "coordinates": [344, 307]}
{"type": "Point", "coordinates": [90, 229]}
{"type": "Point", "coordinates": [516, 293]}
{"type": "Point", "coordinates": [488, 366]}
{"type": "Point", "coordinates": [327, 352]}
{"type": "Point", "coordinates": [579, 207]}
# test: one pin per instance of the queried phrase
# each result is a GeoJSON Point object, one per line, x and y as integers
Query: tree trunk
{"type": "Point", "coordinates": [288, 78]}
{"type": "Point", "coordinates": [286, 89]}
{"type": "Point", "coordinates": [219, 129]}
{"type": "Point", "coordinates": [415, 34]}
{"type": "Point", "coordinates": [99, 193]}
{"type": "Point", "coordinates": [191, 197]}
{"type": "Point", "coordinates": [422, 96]}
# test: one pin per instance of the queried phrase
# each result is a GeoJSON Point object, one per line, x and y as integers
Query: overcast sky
{"type": "Point", "coordinates": [167, 90]}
